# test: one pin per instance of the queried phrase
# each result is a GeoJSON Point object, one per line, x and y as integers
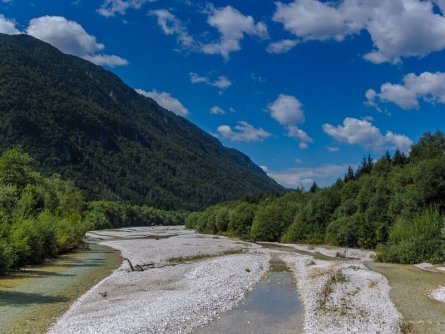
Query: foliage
{"type": "Point", "coordinates": [416, 239]}
{"type": "Point", "coordinates": [107, 214]}
{"type": "Point", "coordinates": [385, 204]}
{"type": "Point", "coordinates": [39, 217]}
{"type": "Point", "coordinates": [82, 122]}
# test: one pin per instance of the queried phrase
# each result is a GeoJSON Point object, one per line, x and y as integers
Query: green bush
{"type": "Point", "coordinates": [39, 217]}
{"type": "Point", "coordinates": [420, 238]}
{"type": "Point", "coordinates": [240, 220]}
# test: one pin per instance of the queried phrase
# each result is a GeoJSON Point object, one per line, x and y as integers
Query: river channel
{"type": "Point", "coordinates": [32, 299]}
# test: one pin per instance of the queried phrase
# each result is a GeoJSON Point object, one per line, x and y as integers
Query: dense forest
{"type": "Point", "coordinates": [41, 217]}
{"type": "Point", "coordinates": [395, 205]}
{"type": "Point", "coordinates": [82, 122]}
{"type": "Point", "coordinates": [107, 214]}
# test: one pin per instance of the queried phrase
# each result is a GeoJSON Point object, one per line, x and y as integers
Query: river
{"type": "Point", "coordinates": [33, 298]}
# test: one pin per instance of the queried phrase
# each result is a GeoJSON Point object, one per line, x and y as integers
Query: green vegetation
{"type": "Point", "coordinates": [395, 205]}
{"type": "Point", "coordinates": [82, 122]}
{"type": "Point", "coordinates": [105, 214]}
{"type": "Point", "coordinates": [39, 217]}
{"type": "Point", "coordinates": [43, 217]}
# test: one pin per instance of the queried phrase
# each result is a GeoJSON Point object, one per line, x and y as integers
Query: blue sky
{"type": "Point", "coordinates": [304, 87]}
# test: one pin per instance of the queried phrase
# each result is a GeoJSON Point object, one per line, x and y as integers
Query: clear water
{"type": "Point", "coordinates": [410, 288]}
{"type": "Point", "coordinates": [32, 299]}
{"type": "Point", "coordinates": [272, 307]}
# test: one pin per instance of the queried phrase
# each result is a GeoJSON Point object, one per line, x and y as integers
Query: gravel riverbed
{"type": "Point", "coordinates": [194, 278]}
{"type": "Point", "coordinates": [343, 297]}
{"type": "Point", "coordinates": [190, 278]}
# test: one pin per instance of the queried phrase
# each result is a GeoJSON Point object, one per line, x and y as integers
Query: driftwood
{"type": "Point", "coordinates": [129, 262]}
{"type": "Point", "coordinates": [134, 268]}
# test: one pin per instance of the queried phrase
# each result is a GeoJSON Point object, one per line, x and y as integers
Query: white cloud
{"type": "Point", "coordinates": [166, 101]}
{"type": "Point", "coordinates": [70, 37]}
{"type": "Point", "coordinates": [257, 78]}
{"type": "Point", "coordinates": [215, 110]}
{"type": "Point", "coordinates": [170, 25]}
{"type": "Point", "coordinates": [7, 26]}
{"type": "Point", "coordinates": [333, 149]}
{"type": "Point", "coordinates": [398, 28]}
{"type": "Point", "coordinates": [362, 132]}
{"type": "Point", "coordinates": [243, 131]}
{"type": "Point", "coordinates": [264, 168]}
{"type": "Point", "coordinates": [112, 7]}
{"type": "Point", "coordinates": [107, 60]}
{"type": "Point", "coordinates": [232, 26]}
{"type": "Point", "coordinates": [428, 87]}
{"type": "Point", "coordinates": [316, 20]}
{"type": "Point", "coordinates": [288, 111]}
{"type": "Point", "coordinates": [221, 82]}
{"type": "Point", "coordinates": [281, 46]}
{"type": "Point", "coordinates": [304, 177]}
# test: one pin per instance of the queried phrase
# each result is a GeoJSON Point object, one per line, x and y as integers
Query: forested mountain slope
{"type": "Point", "coordinates": [81, 121]}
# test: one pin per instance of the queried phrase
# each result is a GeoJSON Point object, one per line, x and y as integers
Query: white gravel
{"type": "Point", "coordinates": [343, 297]}
{"type": "Point", "coordinates": [439, 294]}
{"type": "Point", "coordinates": [352, 253]}
{"type": "Point", "coordinates": [171, 299]}
{"type": "Point", "coordinates": [213, 275]}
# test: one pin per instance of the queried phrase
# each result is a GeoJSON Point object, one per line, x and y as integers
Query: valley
{"type": "Point", "coordinates": [186, 282]}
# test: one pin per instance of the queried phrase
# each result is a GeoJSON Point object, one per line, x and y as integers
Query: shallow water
{"type": "Point", "coordinates": [272, 307]}
{"type": "Point", "coordinates": [410, 288]}
{"type": "Point", "coordinates": [32, 299]}
{"type": "Point", "coordinates": [289, 249]}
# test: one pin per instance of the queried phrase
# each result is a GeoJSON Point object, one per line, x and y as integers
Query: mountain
{"type": "Point", "coordinates": [82, 122]}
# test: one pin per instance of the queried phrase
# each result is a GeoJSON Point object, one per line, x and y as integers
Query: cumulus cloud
{"type": "Point", "coordinates": [70, 37]}
{"type": "Point", "coordinates": [281, 46]}
{"type": "Point", "coordinates": [363, 133]}
{"type": "Point", "coordinates": [288, 111]}
{"type": "Point", "coordinates": [304, 177]}
{"type": "Point", "coordinates": [7, 26]}
{"type": "Point", "coordinates": [170, 25]}
{"type": "Point", "coordinates": [215, 110]}
{"type": "Point", "coordinates": [106, 60]}
{"type": "Point", "coordinates": [316, 20]}
{"type": "Point", "coordinates": [232, 26]}
{"type": "Point", "coordinates": [428, 87]}
{"type": "Point", "coordinates": [398, 28]}
{"type": "Point", "coordinates": [166, 101]}
{"type": "Point", "coordinates": [243, 131]}
{"type": "Point", "coordinates": [112, 7]}
{"type": "Point", "coordinates": [221, 82]}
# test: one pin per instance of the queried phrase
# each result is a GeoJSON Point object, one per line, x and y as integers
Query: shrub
{"type": "Point", "coordinates": [420, 238]}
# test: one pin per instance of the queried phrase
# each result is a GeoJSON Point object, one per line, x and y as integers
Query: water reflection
{"type": "Point", "coordinates": [272, 307]}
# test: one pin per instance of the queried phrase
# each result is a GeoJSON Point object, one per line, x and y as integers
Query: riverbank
{"type": "Point", "coordinates": [191, 279]}
{"type": "Point", "coordinates": [33, 298]}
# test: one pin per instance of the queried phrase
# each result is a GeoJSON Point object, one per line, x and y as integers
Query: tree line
{"type": "Point", "coordinates": [41, 217]}
{"type": "Point", "coordinates": [395, 205]}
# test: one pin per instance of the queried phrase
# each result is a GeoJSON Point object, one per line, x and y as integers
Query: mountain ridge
{"type": "Point", "coordinates": [85, 123]}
